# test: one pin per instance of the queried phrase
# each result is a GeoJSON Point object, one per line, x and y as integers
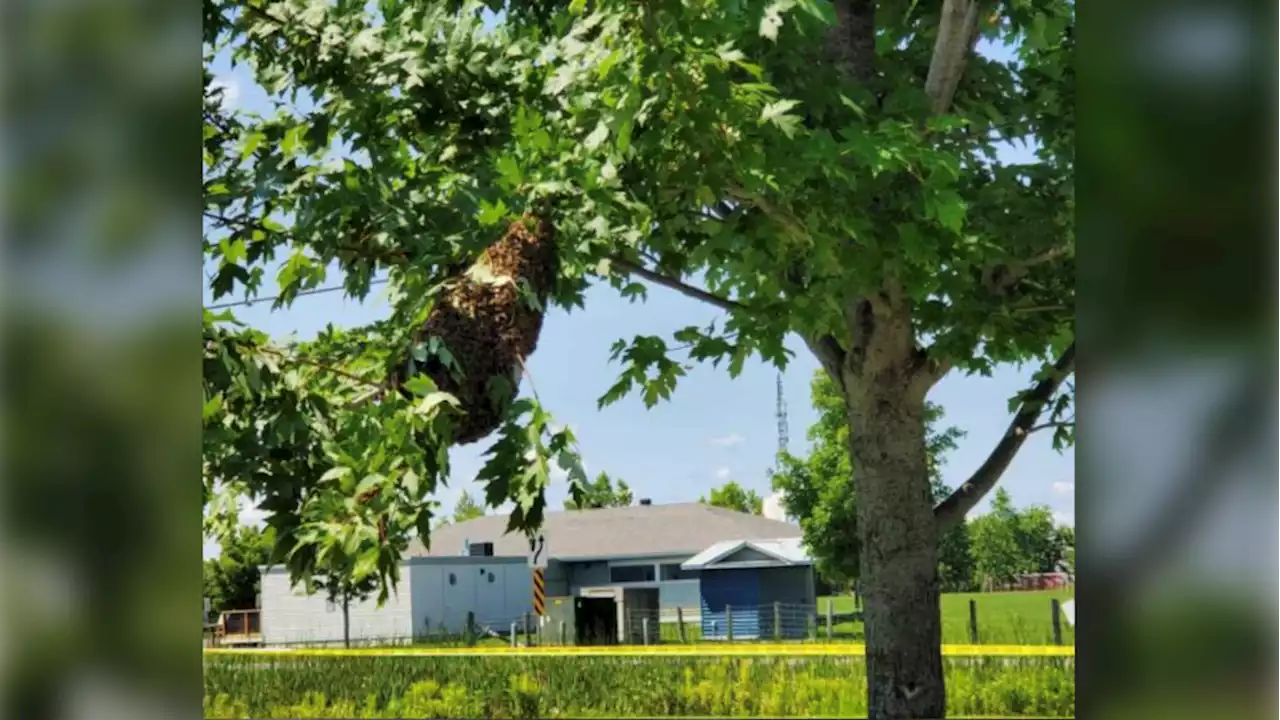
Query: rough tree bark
{"type": "Point", "coordinates": [884, 380]}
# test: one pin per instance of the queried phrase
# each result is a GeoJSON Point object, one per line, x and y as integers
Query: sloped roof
{"type": "Point", "coordinates": [783, 551]}
{"type": "Point", "coordinates": [635, 531]}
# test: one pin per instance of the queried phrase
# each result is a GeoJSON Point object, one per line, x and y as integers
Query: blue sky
{"type": "Point", "coordinates": [714, 428]}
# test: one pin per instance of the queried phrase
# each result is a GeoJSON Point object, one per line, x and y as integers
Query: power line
{"type": "Point", "coordinates": [301, 293]}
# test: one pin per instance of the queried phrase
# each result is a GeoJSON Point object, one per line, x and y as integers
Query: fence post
{"type": "Point", "coordinates": [777, 620]}
{"type": "Point", "coordinates": [471, 628]}
{"type": "Point", "coordinates": [1057, 621]}
{"type": "Point", "coordinates": [526, 630]}
{"type": "Point", "coordinates": [680, 624]}
{"type": "Point", "coordinates": [562, 635]}
{"type": "Point", "coordinates": [829, 618]}
{"type": "Point", "coordinates": [644, 628]}
{"type": "Point", "coordinates": [728, 621]}
{"type": "Point", "coordinates": [973, 622]}
{"type": "Point", "coordinates": [513, 634]}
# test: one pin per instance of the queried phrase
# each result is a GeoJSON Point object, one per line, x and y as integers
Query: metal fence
{"type": "Point", "coordinates": [774, 622]}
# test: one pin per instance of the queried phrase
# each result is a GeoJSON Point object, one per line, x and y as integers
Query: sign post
{"type": "Point", "coordinates": [538, 562]}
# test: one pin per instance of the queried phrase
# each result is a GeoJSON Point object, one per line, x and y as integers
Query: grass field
{"type": "Point", "coordinates": [507, 686]}
{"type": "Point", "coordinates": [1006, 618]}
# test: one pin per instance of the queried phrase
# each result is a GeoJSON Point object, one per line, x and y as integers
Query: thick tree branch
{"type": "Point", "coordinates": [952, 510]}
{"type": "Point", "coordinates": [669, 282]}
{"type": "Point", "coordinates": [957, 32]}
{"type": "Point", "coordinates": [830, 354]}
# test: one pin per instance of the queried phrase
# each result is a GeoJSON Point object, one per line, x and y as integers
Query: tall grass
{"type": "Point", "coordinates": [530, 687]}
{"type": "Point", "coordinates": [1004, 618]}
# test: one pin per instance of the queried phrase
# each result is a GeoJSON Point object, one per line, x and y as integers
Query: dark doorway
{"type": "Point", "coordinates": [596, 621]}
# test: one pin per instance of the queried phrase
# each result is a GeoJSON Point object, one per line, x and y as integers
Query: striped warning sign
{"type": "Point", "coordinates": [539, 593]}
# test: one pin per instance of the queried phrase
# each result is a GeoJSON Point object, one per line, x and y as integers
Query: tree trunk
{"type": "Point", "coordinates": [346, 622]}
{"type": "Point", "coordinates": [898, 579]}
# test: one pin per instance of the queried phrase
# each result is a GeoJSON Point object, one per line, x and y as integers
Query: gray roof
{"type": "Point", "coordinates": [781, 551]}
{"type": "Point", "coordinates": [634, 531]}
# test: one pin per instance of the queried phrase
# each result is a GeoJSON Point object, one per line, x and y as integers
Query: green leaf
{"type": "Point", "coordinates": [509, 169]}
{"type": "Point", "coordinates": [950, 209]}
{"type": "Point", "coordinates": [597, 136]}
{"type": "Point", "coordinates": [772, 20]}
{"type": "Point", "coordinates": [577, 6]}
{"type": "Point", "coordinates": [251, 143]}
{"type": "Point", "coordinates": [369, 483]}
{"type": "Point", "coordinates": [420, 385]}
{"type": "Point", "coordinates": [335, 473]}
{"type": "Point", "coordinates": [491, 214]}
{"type": "Point", "coordinates": [776, 113]}
{"type": "Point", "coordinates": [366, 564]}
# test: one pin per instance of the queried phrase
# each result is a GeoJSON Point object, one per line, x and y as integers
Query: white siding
{"type": "Point", "coordinates": [518, 593]}
{"type": "Point", "coordinates": [441, 607]}
{"type": "Point", "coordinates": [427, 588]}
{"type": "Point", "coordinates": [290, 617]}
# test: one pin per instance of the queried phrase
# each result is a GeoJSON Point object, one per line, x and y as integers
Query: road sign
{"type": "Point", "coordinates": [538, 554]}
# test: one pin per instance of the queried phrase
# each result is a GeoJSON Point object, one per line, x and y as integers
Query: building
{"type": "Point", "coordinates": [434, 596]}
{"type": "Point", "coordinates": [617, 565]}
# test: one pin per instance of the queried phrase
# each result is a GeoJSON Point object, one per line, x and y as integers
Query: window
{"type": "Point", "coordinates": [631, 573]}
{"type": "Point", "coordinates": [672, 571]}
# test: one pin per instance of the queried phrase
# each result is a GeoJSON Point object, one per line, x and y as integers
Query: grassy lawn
{"type": "Point", "coordinates": [1004, 618]}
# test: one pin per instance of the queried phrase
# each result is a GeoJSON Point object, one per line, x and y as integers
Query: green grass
{"type": "Point", "coordinates": [531, 687]}
{"type": "Point", "coordinates": [1004, 618]}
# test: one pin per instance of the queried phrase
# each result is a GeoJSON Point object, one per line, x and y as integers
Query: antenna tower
{"type": "Point", "coordinates": [782, 420]}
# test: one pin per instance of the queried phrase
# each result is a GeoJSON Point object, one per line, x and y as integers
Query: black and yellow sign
{"type": "Point", "coordinates": [539, 593]}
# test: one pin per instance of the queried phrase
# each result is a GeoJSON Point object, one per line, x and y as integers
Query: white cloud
{"type": "Point", "coordinates": [1064, 487]}
{"type": "Point", "coordinates": [728, 440]}
{"type": "Point", "coordinates": [722, 473]}
{"type": "Point", "coordinates": [230, 91]}
{"type": "Point", "coordinates": [1064, 518]}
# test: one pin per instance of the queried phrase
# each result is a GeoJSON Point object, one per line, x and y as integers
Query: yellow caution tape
{"type": "Point", "coordinates": [708, 650]}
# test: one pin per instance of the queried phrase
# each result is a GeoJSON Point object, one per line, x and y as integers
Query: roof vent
{"type": "Point", "coordinates": [646, 501]}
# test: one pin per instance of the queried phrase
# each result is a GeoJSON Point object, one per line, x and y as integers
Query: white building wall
{"type": "Point", "coordinates": [446, 589]}
{"type": "Point", "coordinates": [292, 617]}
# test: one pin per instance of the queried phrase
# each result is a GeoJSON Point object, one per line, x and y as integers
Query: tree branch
{"type": "Point", "coordinates": [951, 511]}
{"type": "Point", "coordinates": [674, 284]}
{"type": "Point", "coordinates": [1051, 425]}
{"type": "Point", "coordinates": [288, 358]}
{"type": "Point", "coordinates": [957, 32]}
{"type": "Point", "coordinates": [830, 354]}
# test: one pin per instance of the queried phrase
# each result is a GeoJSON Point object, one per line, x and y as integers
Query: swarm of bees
{"type": "Point", "coordinates": [488, 320]}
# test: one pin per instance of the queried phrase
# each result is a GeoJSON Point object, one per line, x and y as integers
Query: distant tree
{"type": "Point", "coordinates": [232, 580]}
{"type": "Point", "coordinates": [998, 554]}
{"type": "Point", "coordinates": [818, 492]}
{"type": "Point", "coordinates": [467, 508]}
{"type": "Point", "coordinates": [1008, 542]}
{"type": "Point", "coordinates": [733, 496]}
{"type": "Point", "coordinates": [601, 493]}
{"type": "Point", "coordinates": [1065, 543]}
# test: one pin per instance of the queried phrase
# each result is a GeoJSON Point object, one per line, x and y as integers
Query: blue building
{"type": "Point", "coordinates": [683, 561]}
{"type": "Point", "coordinates": [753, 589]}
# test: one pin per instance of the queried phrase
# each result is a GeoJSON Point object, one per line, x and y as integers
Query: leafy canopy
{"type": "Point", "coordinates": [467, 508]}
{"type": "Point", "coordinates": [601, 493]}
{"type": "Point", "coordinates": [666, 141]}
{"type": "Point", "coordinates": [818, 491]}
{"type": "Point", "coordinates": [733, 496]}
